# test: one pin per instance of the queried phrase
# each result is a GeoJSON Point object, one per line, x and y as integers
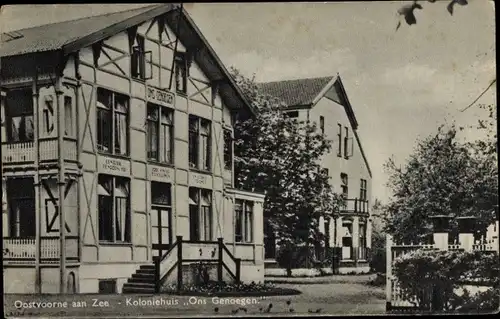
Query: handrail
{"type": "Point", "coordinates": [169, 251]}
{"type": "Point", "coordinates": [229, 253]}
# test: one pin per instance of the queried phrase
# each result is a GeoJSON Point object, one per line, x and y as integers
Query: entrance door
{"type": "Point", "coordinates": [160, 230]}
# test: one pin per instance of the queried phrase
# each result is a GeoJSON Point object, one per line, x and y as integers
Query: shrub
{"type": "Point", "coordinates": [431, 278]}
{"type": "Point", "coordinates": [376, 255]}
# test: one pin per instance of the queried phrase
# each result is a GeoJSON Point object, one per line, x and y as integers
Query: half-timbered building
{"type": "Point", "coordinates": [128, 118]}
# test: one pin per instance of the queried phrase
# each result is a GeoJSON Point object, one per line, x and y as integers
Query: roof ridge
{"type": "Point", "coordinates": [299, 79]}
{"type": "Point", "coordinates": [88, 17]}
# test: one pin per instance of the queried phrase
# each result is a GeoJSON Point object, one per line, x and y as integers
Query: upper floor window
{"type": "Point", "coordinates": [228, 149]}
{"type": "Point", "coordinates": [19, 116]}
{"type": "Point", "coordinates": [363, 190]}
{"type": "Point", "coordinates": [114, 209]}
{"type": "Point", "coordinates": [141, 66]}
{"type": "Point", "coordinates": [325, 172]}
{"type": "Point", "coordinates": [200, 143]}
{"type": "Point", "coordinates": [181, 72]}
{"type": "Point", "coordinates": [160, 133]}
{"type": "Point", "coordinates": [244, 221]}
{"type": "Point", "coordinates": [292, 114]}
{"type": "Point", "coordinates": [344, 180]}
{"type": "Point", "coordinates": [346, 143]}
{"type": "Point", "coordinates": [322, 124]}
{"type": "Point", "coordinates": [112, 122]}
{"type": "Point", "coordinates": [339, 140]}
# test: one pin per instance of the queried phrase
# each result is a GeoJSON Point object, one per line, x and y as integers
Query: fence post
{"type": "Point", "coordinates": [219, 263]}
{"type": "Point", "coordinates": [388, 272]}
{"type": "Point", "coordinates": [238, 270]}
{"type": "Point", "coordinates": [440, 234]}
{"type": "Point", "coordinates": [179, 263]}
{"type": "Point", "coordinates": [466, 227]}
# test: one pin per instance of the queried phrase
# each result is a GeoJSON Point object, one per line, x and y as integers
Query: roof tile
{"type": "Point", "coordinates": [53, 36]}
{"type": "Point", "coordinates": [298, 92]}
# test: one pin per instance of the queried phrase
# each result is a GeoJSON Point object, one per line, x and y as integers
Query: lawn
{"type": "Point", "coordinates": [320, 298]}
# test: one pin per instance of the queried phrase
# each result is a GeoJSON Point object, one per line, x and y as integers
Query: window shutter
{"type": "Point", "coordinates": [148, 65]}
{"type": "Point", "coordinates": [350, 145]}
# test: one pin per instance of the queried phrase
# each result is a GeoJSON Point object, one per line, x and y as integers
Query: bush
{"type": "Point", "coordinates": [377, 253]}
{"type": "Point", "coordinates": [433, 277]}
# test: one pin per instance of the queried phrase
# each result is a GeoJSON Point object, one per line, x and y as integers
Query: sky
{"type": "Point", "coordinates": [402, 84]}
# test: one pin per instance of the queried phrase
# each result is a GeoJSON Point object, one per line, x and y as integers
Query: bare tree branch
{"type": "Point", "coordinates": [480, 95]}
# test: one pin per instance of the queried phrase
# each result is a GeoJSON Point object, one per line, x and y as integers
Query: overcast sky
{"type": "Point", "coordinates": [402, 84]}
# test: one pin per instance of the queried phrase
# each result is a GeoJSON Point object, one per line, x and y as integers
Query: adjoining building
{"type": "Point", "coordinates": [129, 117]}
{"type": "Point", "coordinates": [325, 102]}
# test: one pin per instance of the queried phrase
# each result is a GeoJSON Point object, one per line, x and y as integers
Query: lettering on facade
{"type": "Point", "coordinates": [162, 97]}
{"type": "Point", "coordinates": [114, 166]}
{"type": "Point", "coordinates": [161, 174]}
{"type": "Point", "coordinates": [198, 180]}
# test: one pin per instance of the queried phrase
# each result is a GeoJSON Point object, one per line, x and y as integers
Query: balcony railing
{"type": "Point", "coordinates": [354, 205]}
{"type": "Point", "coordinates": [25, 152]}
{"type": "Point", "coordinates": [24, 249]}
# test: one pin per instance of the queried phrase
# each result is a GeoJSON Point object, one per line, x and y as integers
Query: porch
{"type": "Point", "coordinates": [25, 152]}
{"type": "Point", "coordinates": [23, 250]}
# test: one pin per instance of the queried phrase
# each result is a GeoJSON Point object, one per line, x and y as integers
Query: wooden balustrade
{"type": "Point", "coordinates": [355, 205]}
{"type": "Point", "coordinates": [25, 248]}
{"type": "Point", "coordinates": [48, 150]}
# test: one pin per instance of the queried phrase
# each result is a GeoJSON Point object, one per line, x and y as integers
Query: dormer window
{"type": "Point", "coordinates": [141, 66]}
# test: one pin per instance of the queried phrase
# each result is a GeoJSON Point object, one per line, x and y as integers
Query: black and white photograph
{"type": "Point", "coordinates": [254, 159]}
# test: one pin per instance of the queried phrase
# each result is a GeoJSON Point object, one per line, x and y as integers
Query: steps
{"type": "Point", "coordinates": [143, 281]}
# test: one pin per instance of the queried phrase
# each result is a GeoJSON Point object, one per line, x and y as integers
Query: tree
{"type": "Point", "coordinates": [279, 156]}
{"type": "Point", "coordinates": [442, 177]}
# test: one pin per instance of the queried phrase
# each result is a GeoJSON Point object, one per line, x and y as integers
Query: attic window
{"type": "Point", "coordinates": [13, 35]}
{"type": "Point", "coordinates": [141, 66]}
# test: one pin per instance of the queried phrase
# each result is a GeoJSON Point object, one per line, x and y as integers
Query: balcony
{"type": "Point", "coordinates": [23, 250]}
{"type": "Point", "coordinates": [24, 152]}
{"type": "Point", "coordinates": [354, 206]}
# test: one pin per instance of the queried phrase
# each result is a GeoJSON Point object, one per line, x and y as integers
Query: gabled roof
{"type": "Point", "coordinates": [55, 36]}
{"type": "Point", "coordinates": [300, 92]}
{"type": "Point", "coordinates": [71, 36]}
{"type": "Point", "coordinates": [307, 92]}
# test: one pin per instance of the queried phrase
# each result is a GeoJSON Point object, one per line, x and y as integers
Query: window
{"type": "Point", "coordinates": [112, 122]}
{"type": "Point", "coordinates": [200, 143]}
{"type": "Point", "coordinates": [244, 221]}
{"type": "Point", "coordinates": [228, 149]}
{"type": "Point", "coordinates": [339, 140]}
{"type": "Point", "coordinates": [140, 60]}
{"type": "Point", "coordinates": [347, 234]}
{"type": "Point", "coordinates": [107, 286]}
{"type": "Point", "coordinates": [160, 133]}
{"type": "Point", "coordinates": [68, 116]}
{"type": "Point", "coordinates": [21, 203]}
{"type": "Point", "coordinates": [292, 115]}
{"type": "Point", "coordinates": [19, 116]}
{"type": "Point", "coordinates": [325, 172]}
{"type": "Point", "coordinates": [181, 72]}
{"type": "Point", "coordinates": [322, 124]}
{"type": "Point", "coordinates": [200, 214]}
{"type": "Point", "coordinates": [344, 185]}
{"type": "Point", "coordinates": [114, 209]}
{"type": "Point", "coordinates": [346, 143]}
{"type": "Point", "coordinates": [363, 190]}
